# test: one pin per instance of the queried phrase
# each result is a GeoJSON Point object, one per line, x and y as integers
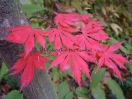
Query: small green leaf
{"type": "Point", "coordinates": [14, 95]}
{"type": "Point", "coordinates": [31, 8]}
{"type": "Point", "coordinates": [69, 95]}
{"type": "Point", "coordinates": [116, 90]}
{"type": "Point", "coordinates": [4, 70]}
{"type": "Point", "coordinates": [98, 93]}
{"type": "Point", "coordinates": [97, 77]}
{"type": "Point", "coordinates": [63, 89]}
{"type": "Point", "coordinates": [81, 92]}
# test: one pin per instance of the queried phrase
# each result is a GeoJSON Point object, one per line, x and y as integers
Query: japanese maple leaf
{"type": "Point", "coordinates": [94, 30]}
{"type": "Point", "coordinates": [66, 19]}
{"type": "Point", "coordinates": [74, 58]}
{"type": "Point", "coordinates": [60, 37]}
{"type": "Point", "coordinates": [85, 18]}
{"type": "Point", "coordinates": [69, 29]}
{"type": "Point", "coordinates": [90, 31]}
{"type": "Point", "coordinates": [109, 59]}
{"type": "Point", "coordinates": [84, 41]}
{"type": "Point", "coordinates": [26, 34]}
{"type": "Point", "coordinates": [28, 64]}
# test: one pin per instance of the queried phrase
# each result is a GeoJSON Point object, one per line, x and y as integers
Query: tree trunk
{"type": "Point", "coordinates": [11, 15]}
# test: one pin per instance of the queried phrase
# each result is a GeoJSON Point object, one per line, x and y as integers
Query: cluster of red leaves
{"type": "Point", "coordinates": [26, 35]}
{"type": "Point", "coordinates": [78, 36]}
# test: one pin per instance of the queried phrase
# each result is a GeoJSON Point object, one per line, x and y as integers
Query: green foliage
{"type": "Point", "coordinates": [69, 96]}
{"type": "Point", "coordinates": [31, 8]}
{"type": "Point", "coordinates": [129, 66]}
{"type": "Point", "coordinates": [4, 70]}
{"type": "Point", "coordinates": [63, 90]}
{"type": "Point", "coordinates": [115, 88]}
{"type": "Point", "coordinates": [82, 92]}
{"type": "Point", "coordinates": [14, 95]}
{"type": "Point", "coordinates": [10, 80]}
{"type": "Point", "coordinates": [97, 77]}
{"type": "Point", "coordinates": [98, 93]}
{"type": "Point", "coordinates": [127, 84]}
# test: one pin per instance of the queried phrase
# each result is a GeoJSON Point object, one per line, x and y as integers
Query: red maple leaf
{"type": "Point", "coordinates": [85, 18]}
{"type": "Point", "coordinates": [91, 33]}
{"type": "Point", "coordinates": [109, 59]}
{"type": "Point", "coordinates": [76, 59]}
{"type": "Point", "coordinates": [66, 19]}
{"type": "Point", "coordinates": [25, 34]}
{"type": "Point", "coordinates": [60, 37]}
{"type": "Point", "coordinates": [94, 30]}
{"type": "Point", "coordinates": [28, 64]}
{"type": "Point", "coordinates": [84, 41]}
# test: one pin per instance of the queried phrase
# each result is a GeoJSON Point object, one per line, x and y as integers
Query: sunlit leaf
{"type": "Point", "coordinates": [116, 28]}
{"type": "Point", "coordinates": [104, 10]}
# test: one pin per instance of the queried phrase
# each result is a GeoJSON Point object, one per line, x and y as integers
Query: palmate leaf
{"type": "Point", "coordinates": [78, 63]}
{"type": "Point", "coordinates": [28, 64]}
{"type": "Point", "coordinates": [94, 30]}
{"type": "Point", "coordinates": [60, 36]}
{"type": "Point", "coordinates": [115, 88]}
{"type": "Point", "coordinates": [66, 19]}
{"type": "Point", "coordinates": [107, 58]}
{"type": "Point", "coordinates": [26, 35]}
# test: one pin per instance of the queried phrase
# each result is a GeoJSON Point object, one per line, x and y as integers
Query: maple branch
{"type": "Point", "coordinates": [12, 15]}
